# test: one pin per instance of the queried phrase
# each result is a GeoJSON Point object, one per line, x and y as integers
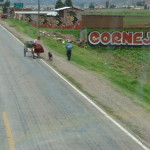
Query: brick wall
{"type": "Point", "coordinates": [102, 22]}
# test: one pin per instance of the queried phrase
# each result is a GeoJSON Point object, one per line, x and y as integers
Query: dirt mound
{"type": "Point", "coordinates": [59, 36]}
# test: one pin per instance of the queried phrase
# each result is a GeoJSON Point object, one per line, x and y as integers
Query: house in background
{"type": "Point", "coordinates": [67, 18]}
{"type": "Point", "coordinates": [32, 16]}
{"type": "Point", "coordinates": [63, 18]}
{"type": "Point", "coordinates": [13, 10]}
{"type": "Point", "coordinates": [70, 18]}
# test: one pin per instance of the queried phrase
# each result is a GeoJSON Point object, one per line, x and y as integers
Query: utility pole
{"type": "Point", "coordinates": [38, 13]}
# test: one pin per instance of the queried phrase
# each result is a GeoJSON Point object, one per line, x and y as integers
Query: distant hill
{"type": "Point", "coordinates": [79, 2]}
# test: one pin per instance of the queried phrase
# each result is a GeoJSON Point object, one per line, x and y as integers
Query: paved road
{"type": "Point", "coordinates": [39, 111]}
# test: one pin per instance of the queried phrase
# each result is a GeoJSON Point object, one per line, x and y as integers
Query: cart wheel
{"type": "Point", "coordinates": [25, 50]}
{"type": "Point", "coordinates": [32, 52]}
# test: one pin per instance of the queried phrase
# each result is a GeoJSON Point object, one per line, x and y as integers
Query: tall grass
{"type": "Point", "coordinates": [128, 68]}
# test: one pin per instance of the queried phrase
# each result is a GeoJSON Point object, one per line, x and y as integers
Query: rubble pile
{"type": "Point", "coordinates": [58, 36]}
{"type": "Point", "coordinates": [61, 37]}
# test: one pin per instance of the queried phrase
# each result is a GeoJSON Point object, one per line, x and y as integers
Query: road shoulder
{"type": "Point", "coordinates": [121, 107]}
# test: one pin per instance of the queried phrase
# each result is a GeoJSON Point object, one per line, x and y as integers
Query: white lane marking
{"type": "Point", "coordinates": [90, 101]}
{"type": "Point", "coordinates": [98, 108]}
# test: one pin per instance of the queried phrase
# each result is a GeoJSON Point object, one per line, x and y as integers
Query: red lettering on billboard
{"type": "Point", "coordinates": [127, 38]}
{"type": "Point", "coordinates": [119, 38]}
{"type": "Point", "coordinates": [146, 41]}
{"type": "Point", "coordinates": [116, 38]}
{"type": "Point", "coordinates": [94, 38]}
{"type": "Point", "coordinates": [105, 38]}
{"type": "Point", "coordinates": [137, 38]}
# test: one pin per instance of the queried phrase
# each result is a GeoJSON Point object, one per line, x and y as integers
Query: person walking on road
{"type": "Point", "coordinates": [38, 47]}
{"type": "Point", "coordinates": [69, 50]}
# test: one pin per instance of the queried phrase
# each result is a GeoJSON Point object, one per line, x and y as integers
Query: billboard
{"type": "Point", "coordinates": [118, 38]}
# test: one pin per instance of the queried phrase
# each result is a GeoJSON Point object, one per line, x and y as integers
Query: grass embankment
{"type": "Point", "coordinates": [128, 68]}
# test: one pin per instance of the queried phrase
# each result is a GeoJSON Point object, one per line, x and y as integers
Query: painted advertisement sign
{"type": "Point", "coordinates": [119, 38]}
{"type": "Point", "coordinates": [29, 18]}
{"type": "Point", "coordinates": [54, 22]}
{"type": "Point", "coordinates": [72, 21]}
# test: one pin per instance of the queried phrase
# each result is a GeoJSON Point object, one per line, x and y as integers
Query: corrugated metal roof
{"type": "Point", "coordinates": [30, 12]}
{"type": "Point", "coordinates": [52, 13]}
{"type": "Point", "coordinates": [63, 8]}
{"type": "Point", "coordinates": [49, 13]}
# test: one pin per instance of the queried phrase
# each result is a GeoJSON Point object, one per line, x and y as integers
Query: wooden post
{"type": "Point", "coordinates": [38, 13]}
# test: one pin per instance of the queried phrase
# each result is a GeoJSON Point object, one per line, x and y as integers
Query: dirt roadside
{"type": "Point", "coordinates": [125, 110]}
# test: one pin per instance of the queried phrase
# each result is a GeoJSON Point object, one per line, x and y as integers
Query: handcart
{"type": "Point", "coordinates": [29, 47]}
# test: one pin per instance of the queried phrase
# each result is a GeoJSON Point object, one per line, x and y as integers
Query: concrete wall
{"type": "Point", "coordinates": [31, 18]}
{"type": "Point", "coordinates": [73, 19]}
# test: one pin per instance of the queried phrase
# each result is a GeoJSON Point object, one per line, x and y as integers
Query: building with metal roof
{"type": "Point", "coordinates": [49, 13]}
{"type": "Point", "coordinates": [64, 18]}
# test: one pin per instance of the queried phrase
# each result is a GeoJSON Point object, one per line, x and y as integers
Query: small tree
{"type": "Point", "coordinates": [91, 6]}
{"type": "Point", "coordinates": [5, 6]}
{"type": "Point", "coordinates": [107, 4]}
{"type": "Point", "coordinates": [1, 2]}
{"type": "Point", "coordinates": [68, 3]}
{"type": "Point", "coordinates": [140, 3]}
{"type": "Point", "coordinates": [59, 4]}
{"type": "Point", "coordinates": [112, 6]}
{"type": "Point", "coordinates": [5, 10]}
{"type": "Point", "coordinates": [145, 7]}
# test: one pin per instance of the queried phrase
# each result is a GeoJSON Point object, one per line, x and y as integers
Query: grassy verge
{"type": "Point", "coordinates": [128, 68]}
